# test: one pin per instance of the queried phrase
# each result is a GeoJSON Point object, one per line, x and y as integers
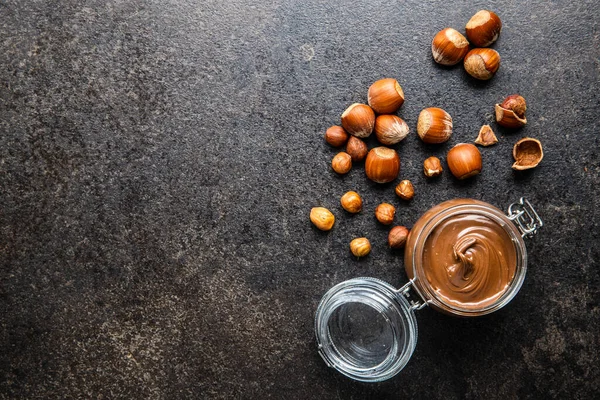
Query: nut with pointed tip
{"type": "Point", "coordinates": [486, 136]}
{"type": "Point", "coordinates": [385, 96]}
{"type": "Point", "coordinates": [360, 247]}
{"type": "Point", "coordinates": [390, 129]}
{"type": "Point", "coordinates": [434, 125]}
{"type": "Point", "coordinates": [382, 165]}
{"type": "Point", "coordinates": [527, 153]}
{"type": "Point", "coordinates": [385, 213]}
{"type": "Point", "coordinates": [405, 190]}
{"type": "Point", "coordinates": [351, 202]}
{"type": "Point", "coordinates": [341, 163]}
{"type": "Point", "coordinates": [397, 237]}
{"type": "Point", "coordinates": [449, 47]}
{"type": "Point", "coordinates": [432, 167]}
{"type": "Point", "coordinates": [482, 64]}
{"type": "Point", "coordinates": [357, 149]}
{"type": "Point", "coordinates": [483, 28]}
{"type": "Point", "coordinates": [336, 136]}
{"type": "Point", "coordinates": [359, 120]}
{"type": "Point", "coordinates": [322, 218]}
{"type": "Point", "coordinates": [464, 160]}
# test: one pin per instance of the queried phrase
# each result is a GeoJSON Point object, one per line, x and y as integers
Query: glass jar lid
{"type": "Point", "coordinates": [366, 329]}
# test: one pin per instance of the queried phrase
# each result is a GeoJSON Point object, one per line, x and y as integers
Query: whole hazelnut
{"type": "Point", "coordinates": [390, 129]}
{"type": "Point", "coordinates": [482, 64]}
{"type": "Point", "coordinates": [382, 164]}
{"type": "Point", "coordinates": [464, 160]}
{"type": "Point", "coordinates": [357, 149]}
{"type": "Point", "coordinates": [342, 163]}
{"type": "Point", "coordinates": [358, 120]}
{"type": "Point", "coordinates": [336, 136]}
{"type": "Point", "coordinates": [360, 247]}
{"type": "Point", "coordinates": [449, 47]}
{"type": "Point", "coordinates": [322, 218]}
{"type": "Point", "coordinates": [405, 190]}
{"type": "Point", "coordinates": [397, 237]}
{"type": "Point", "coordinates": [385, 213]}
{"type": "Point", "coordinates": [351, 202]}
{"type": "Point", "coordinates": [486, 136]}
{"type": "Point", "coordinates": [432, 167]}
{"type": "Point", "coordinates": [385, 96]}
{"type": "Point", "coordinates": [434, 125]}
{"type": "Point", "coordinates": [483, 28]}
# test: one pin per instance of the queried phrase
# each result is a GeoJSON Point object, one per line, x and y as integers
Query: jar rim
{"type": "Point", "coordinates": [496, 215]}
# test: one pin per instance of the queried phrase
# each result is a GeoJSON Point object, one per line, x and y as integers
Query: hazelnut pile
{"type": "Point", "coordinates": [434, 126]}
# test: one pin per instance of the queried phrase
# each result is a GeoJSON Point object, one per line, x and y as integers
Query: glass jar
{"type": "Point", "coordinates": [367, 329]}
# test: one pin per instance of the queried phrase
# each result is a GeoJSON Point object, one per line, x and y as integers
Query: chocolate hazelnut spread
{"type": "Point", "coordinates": [469, 260]}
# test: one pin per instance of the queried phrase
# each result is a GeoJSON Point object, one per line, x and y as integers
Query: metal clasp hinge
{"type": "Point", "coordinates": [417, 301]}
{"type": "Point", "coordinates": [524, 215]}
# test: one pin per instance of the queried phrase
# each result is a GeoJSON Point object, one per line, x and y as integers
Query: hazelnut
{"type": "Point", "coordinates": [511, 113]}
{"type": "Point", "coordinates": [434, 125]}
{"type": "Point", "coordinates": [449, 47]}
{"type": "Point", "coordinates": [382, 165]}
{"type": "Point", "coordinates": [397, 237]}
{"type": "Point", "coordinates": [342, 163]}
{"type": "Point", "coordinates": [385, 213]}
{"type": "Point", "coordinates": [358, 120]}
{"type": "Point", "coordinates": [360, 247]}
{"type": "Point", "coordinates": [390, 129]}
{"type": "Point", "coordinates": [464, 160]}
{"type": "Point", "coordinates": [483, 28]}
{"type": "Point", "coordinates": [351, 202]}
{"type": "Point", "coordinates": [486, 136]}
{"type": "Point", "coordinates": [336, 136]}
{"type": "Point", "coordinates": [528, 153]}
{"type": "Point", "coordinates": [357, 149]}
{"type": "Point", "coordinates": [482, 64]}
{"type": "Point", "coordinates": [405, 190]}
{"type": "Point", "coordinates": [432, 167]}
{"type": "Point", "coordinates": [322, 218]}
{"type": "Point", "coordinates": [385, 96]}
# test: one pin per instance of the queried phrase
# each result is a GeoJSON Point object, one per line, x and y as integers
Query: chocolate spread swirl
{"type": "Point", "coordinates": [469, 260]}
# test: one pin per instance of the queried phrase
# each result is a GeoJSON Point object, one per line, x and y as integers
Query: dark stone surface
{"type": "Point", "coordinates": [158, 161]}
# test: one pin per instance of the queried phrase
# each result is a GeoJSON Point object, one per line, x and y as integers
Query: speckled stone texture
{"type": "Point", "coordinates": [159, 159]}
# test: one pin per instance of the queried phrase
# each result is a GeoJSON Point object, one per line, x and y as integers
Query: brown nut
{"type": "Point", "coordinates": [358, 120]}
{"type": "Point", "coordinates": [464, 160]}
{"type": "Point", "coordinates": [511, 113]}
{"type": "Point", "coordinates": [482, 64]}
{"type": "Point", "coordinates": [342, 163]}
{"type": "Point", "coordinates": [483, 28]}
{"type": "Point", "coordinates": [390, 129]}
{"type": "Point", "coordinates": [434, 125]}
{"type": "Point", "coordinates": [397, 237]}
{"type": "Point", "coordinates": [449, 47]}
{"type": "Point", "coordinates": [360, 247]}
{"type": "Point", "coordinates": [382, 165]}
{"type": "Point", "coordinates": [385, 96]}
{"type": "Point", "coordinates": [516, 103]}
{"type": "Point", "coordinates": [357, 149]}
{"type": "Point", "coordinates": [385, 213]}
{"type": "Point", "coordinates": [486, 136]}
{"type": "Point", "coordinates": [527, 153]}
{"type": "Point", "coordinates": [405, 190]}
{"type": "Point", "coordinates": [336, 136]}
{"type": "Point", "coordinates": [322, 218]}
{"type": "Point", "coordinates": [432, 167]}
{"type": "Point", "coordinates": [351, 202]}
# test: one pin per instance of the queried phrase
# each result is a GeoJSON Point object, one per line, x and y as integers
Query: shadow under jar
{"type": "Point", "coordinates": [463, 257]}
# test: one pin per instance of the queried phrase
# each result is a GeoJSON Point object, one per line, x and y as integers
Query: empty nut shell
{"type": "Point", "coordinates": [508, 118]}
{"type": "Point", "coordinates": [486, 136]}
{"type": "Point", "coordinates": [434, 125]}
{"type": "Point", "coordinates": [390, 129]}
{"type": "Point", "coordinates": [527, 153]}
{"type": "Point", "coordinates": [482, 64]}
{"type": "Point", "coordinates": [385, 96]}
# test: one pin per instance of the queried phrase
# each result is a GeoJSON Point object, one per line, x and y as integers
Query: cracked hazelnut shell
{"type": "Point", "coordinates": [528, 153]}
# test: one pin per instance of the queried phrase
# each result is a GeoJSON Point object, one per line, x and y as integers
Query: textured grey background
{"type": "Point", "coordinates": [159, 159]}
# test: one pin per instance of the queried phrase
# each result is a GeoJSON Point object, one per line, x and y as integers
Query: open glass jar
{"type": "Point", "coordinates": [463, 257]}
